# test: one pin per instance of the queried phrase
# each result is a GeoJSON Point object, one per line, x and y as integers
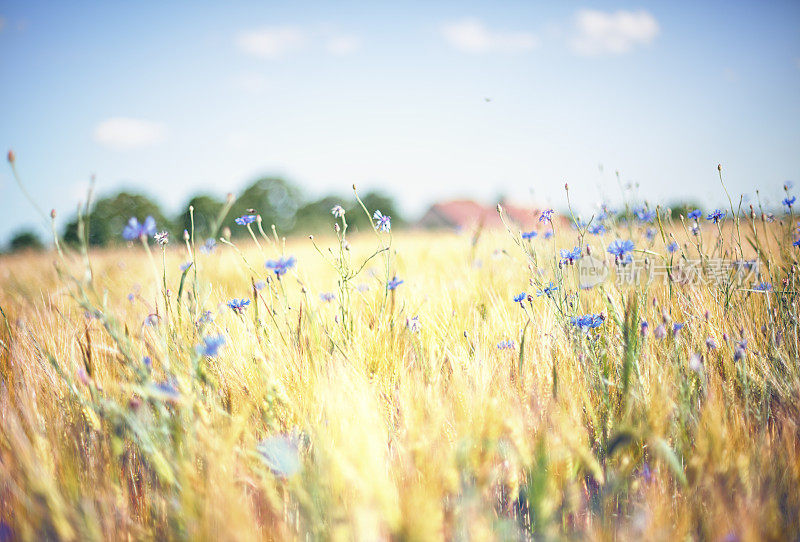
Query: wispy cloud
{"type": "Point", "coordinates": [277, 41]}
{"type": "Point", "coordinates": [342, 44]}
{"type": "Point", "coordinates": [271, 42]}
{"type": "Point", "coordinates": [123, 133]}
{"type": "Point", "coordinates": [600, 33]}
{"type": "Point", "coordinates": [472, 36]}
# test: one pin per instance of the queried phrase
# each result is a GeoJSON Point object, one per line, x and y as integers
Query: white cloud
{"type": "Point", "coordinates": [471, 35]}
{"type": "Point", "coordinates": [122, 133]}
{"type": "Point", "coordinates": [271, 42]}
{"type": "Point", "coordinates": [601, 33]}
{"type": "Point", "coordinates": [343, 45]}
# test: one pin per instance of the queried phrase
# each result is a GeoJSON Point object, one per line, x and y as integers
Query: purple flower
{"type": "Point", "coordinates": [650, 234]}
{"type": "Point", "coordinates": [644, 215]}
{"type": "Point", "coordinates": [597, 229]}
{"type": "Point", "coordinates": [672, 247]}
{"type": "Point", "coordinates": [716, 216]}
{"type": "Point", "coordinates": [185, 266]}
{"type": "Point", "coordinates": [529, 234]}
{"type": "Point", "coordinates": [281, 265]}
{"type": "Point", "coordinates": [788, 202]}
{"type": "Point", "coordinates": [676, 328]}
{"type": "Point", "coordinates": [211, 345]}
{"type": "Point", "coordinates": [547, 290]}
{"type": "Point", "coordinates": [327, 297]}
{"type": "Point", "coordinates": [238, 305]}
{"type": "Point", "coordinates": [796, 243]}
{"type": "Point", "coordinates": [695, 215]}
{"type": "Point", "coordinates": [588, 321]}
{"type": "Point", "coordinates": [244, 220]}
{"type": "Point", "coordinates": [382, 222]}
{"type": "Point", "coordinates": [337, 211]}
{"type": "Point", "coordinates": [762, 287]}
{"type": "Point", "coordinates": [133, 230]}
{"type": "Point", "coordinates": [569, 256]}
{"type": "Point", "coordinates": [546, 216]}
{"type": "Point", "coordinates": [519, 298]}
{"type": "Point", "coordinates": [394, 283]}
{"type": "Point", "coordinates": [259, 285]}
{"type": "Point", "coordinates": [548, 234]}
{"type": "Point", "coordinates": [660, 332]}
{"type": "Point", "coordinates": [620, 248]}
{"type": "Point", "coordinates": [711, 343]}
{"type": "Point", "coordinates": [281, 455]}
{"type": "Point", "coordinates": [506, 345]}
{"type": "Point", "coordinates": [209, 246]}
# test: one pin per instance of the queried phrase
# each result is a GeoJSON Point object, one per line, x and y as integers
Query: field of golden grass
{"type": "Point", "coordinates": [439, 410]}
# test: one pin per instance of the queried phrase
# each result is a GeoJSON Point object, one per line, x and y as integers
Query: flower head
{"type": "Point", "coordinates": [547, 290]}
{"type": "Point", "coordinates": [644, 214]}
{"type": "Point", "coordinates": [546, 216]}
{"type": "Point", "coordinates": [281, 265]}
{"type": "Point", "coordinates": [211, 345]}
{"type": "Point", "coordinates": [506, 344]}
{"type": "Point", "coordinates": [134, 230]}
{"type": "Point", "coordinates": [162, 238]}
{"type": "Point", "coordinates": [716, 216]}
{"type": "Point", "coordinates": [788, 202]}
{"type": "Point", "coordinates": [548, 234]}
{"type": "Point", "coordinates": [529, 234]}
{"type": "Point", "coordinates": [762, 287]}
{"type": "Point", "coordinates": [185, 266]}
{"type": "Point", "coordinates": [520, 297]}
{"type": "Point", "coordinates": [695, 215]}
{"type": "Point", "coordinates": [382, 222]}
{"type": "Point", "coordinates": [327, 297]}
{"type": "Point", "coordinates": [673, 247]}
{"type": "Point", "coordinates": [244, 220]}
{"type": "Point", "coordinates": [238, 305]}
{"type": "Point", "coordinates": [394, 283]}
{"type": "Point", "coordinates": [620, 248]}
{"type": "Point", "coordinates": [588, 321]}
{"type": "Point", "coordinates": [597, 229]}
{"type": "Point", "coordinates": [569, 256]}
{"type": "Point", "coordinates": [209, 246]}
{"type": "Point", "coordinates": [337, 211]}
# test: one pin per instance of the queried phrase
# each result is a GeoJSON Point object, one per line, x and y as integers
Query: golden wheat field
{"type": "Point", "coordinates": [490, 395]}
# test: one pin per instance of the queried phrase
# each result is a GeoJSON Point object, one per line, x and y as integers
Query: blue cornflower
{"type": "Point", "coordinates": [650, 234]}
{"type": "Point", "coordinates": [676, 327]}
{"type": "Point", "coordinates": [569, 256]}
{"type": "Point", "coordinates": [209, 246]}
{"type": "Point", "coordinates": [644, 214]}
{"type": "Point", "coordinates": [519, 298]}
{"type": "Point", "coordinates": [238, 305]}
{"type": "Point", "coordinates": [762, 287]}
{"type": "Point", "coordinates": [281, 265]}
{"type": "Point", "coordinates": [620, 248]}
{"type": "Point", "coordinates": [244, 220]}
{"type": "Point", "coordinates": [547, 290]}
{"type": "Point", "coordinates": [716, 216]}
{"type": "Point", "coordinates": [506, 345]}
{"type": "Point", "coordinates": [788, 202]}
{"type": "Point", "coordinates": [382, 222]}
{"type": "Point", "coordinates": [546, 216]}
{"type": "Point", "coordinates": [588, 321]}
{"type": "Point", "coordinates": [185, 266]}
{"type": "Point", "coordinates": [281, 455]}
{"type": "Point", "coordinates": [211, 345]}
{"type": "Point", "coordinates": [672, 247]}
{"type": "Point", "coordinates": [327, 297]}
{"type": "Point", "coordinates": [796, 243]}
{"type": "Point", "coordinates": [134, 230]}
{"type": "Point", "coordinates": [206, 318]}
{"type": "Point", "coordinates": [788, 185]}
{"type": "Point", "coordinates": [695, 215]}
{"type": "Point", "coordinates": [259, 285]}
{"type": "Point", "coordinates": [597, 229]}
{"type": "Point", "coordinates": [529, 234]}
{"type": "Point", "coordinates": [167, 390]}
{"type": "Point", "coordinates": [548, 234]}
{"type": "Point", "coordinates": [394, 283]}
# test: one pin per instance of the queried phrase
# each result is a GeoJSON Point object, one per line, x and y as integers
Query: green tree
{"type": "Point", "coordinates": [109, 215]}
{"type": "Point", "coordinates": [315, 216]}
{"type": "Point", "coordinates": [206, 210]}
{"type": "Point", "coordinates": [25, 240]}
{"type": "Point", "coordinates": [681, 209]}
{"type": "Point", "coordinates": [275, 199]}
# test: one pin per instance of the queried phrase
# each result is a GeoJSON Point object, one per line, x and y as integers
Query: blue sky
{"type": "Point", "coordinates": [187, 97]}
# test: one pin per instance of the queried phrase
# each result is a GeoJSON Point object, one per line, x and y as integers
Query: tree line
{"type": "Point", "coordinates": [277, 200]}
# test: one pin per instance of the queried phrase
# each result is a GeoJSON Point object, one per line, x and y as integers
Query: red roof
{"type": "Point", "coordinates": [467, 213]}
